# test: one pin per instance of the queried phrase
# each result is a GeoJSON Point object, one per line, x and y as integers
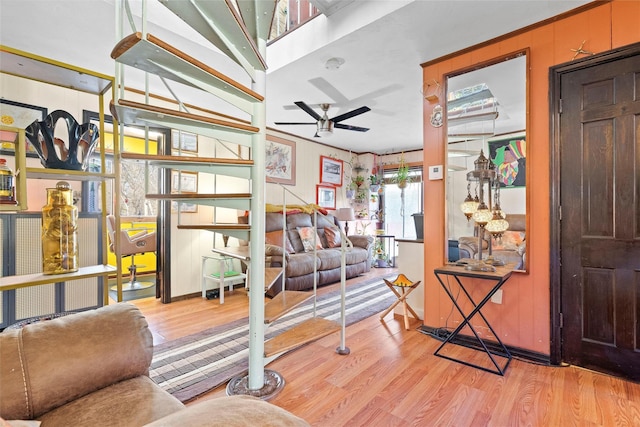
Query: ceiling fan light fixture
{"type": "Point", "coordinates": [325, 128]}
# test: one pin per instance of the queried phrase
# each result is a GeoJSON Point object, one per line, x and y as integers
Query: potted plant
{"type": "Point", "coordinates": [351, 190]}
{"type": "Point", "coordinates": [374, 183]}
{"type": "Point", "coordinates": [402, 177]}
{"type": "Point", "coordinates": [358, 180]}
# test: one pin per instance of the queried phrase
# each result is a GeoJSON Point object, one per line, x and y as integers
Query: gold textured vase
{"type": "Point", "coordinates": [59, 231]}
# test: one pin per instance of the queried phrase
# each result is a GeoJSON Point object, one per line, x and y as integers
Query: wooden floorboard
{"type": "Point", "coordinates": [392, 378]}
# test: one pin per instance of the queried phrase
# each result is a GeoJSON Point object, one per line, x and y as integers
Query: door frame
{"type": "Point", "coordinates": [555, 213]}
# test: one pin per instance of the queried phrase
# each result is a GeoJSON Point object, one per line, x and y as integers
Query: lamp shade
{"type": "Point", "coordinates": [346, 214]}
{"type": "Point", "coordinates": [482, 215]}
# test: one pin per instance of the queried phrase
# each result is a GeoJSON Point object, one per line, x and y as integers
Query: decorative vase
{"type": "Point", "coordinates": [54, 153]}
{"type": "Point", "coordinates": [7, 185]}
{"type": "Point", "coordinates": [59, 231]}
{"type": "Point", "coordinates": [374, 188]}
{"type": "Point", "coordinates": [351, 194]}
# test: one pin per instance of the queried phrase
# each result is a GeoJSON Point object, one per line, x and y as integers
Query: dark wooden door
{"type": "Point", "coordinates": [600, 216]}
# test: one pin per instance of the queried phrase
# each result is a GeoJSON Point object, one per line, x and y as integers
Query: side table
{"type": "Point", "coordinates": [221, 278]}
{"type": "Point", "coordinates": [500, 276]}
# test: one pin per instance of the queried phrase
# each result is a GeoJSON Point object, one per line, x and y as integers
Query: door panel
{"type": "Point", "coordinates": [599, 230]}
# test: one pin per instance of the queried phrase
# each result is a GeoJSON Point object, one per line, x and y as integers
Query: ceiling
{"type": "Point", "coordinates": [382, 44]}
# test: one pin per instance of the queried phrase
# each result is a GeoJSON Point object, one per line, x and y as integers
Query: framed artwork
{"type": "Point", "coordinates": [184, 141]}
{"type": "Point", "coordinates": [280, 161]}
{"type": "Point", "coordinates": [184, 182]}
{"type": "Point", "coordinates": [184, 207]}
{"type": "Point", "coordinates": [18, 115]}
{"type": "Point", "coordinates": [326, 196]}
{"type": "Point", "coordinates": [331, 171]}
{"type": "Point", "coordinates": [509, 157]}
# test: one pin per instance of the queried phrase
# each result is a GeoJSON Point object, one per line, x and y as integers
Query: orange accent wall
{"type": "Point", "coordinates": [523, 318]}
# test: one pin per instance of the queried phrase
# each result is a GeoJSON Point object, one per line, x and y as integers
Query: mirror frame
{"type": "Point", "coordinates": [480, 65]}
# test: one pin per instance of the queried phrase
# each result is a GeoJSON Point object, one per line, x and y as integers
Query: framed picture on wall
{"type": "Point", "coordinates": [280, 161]}
{"type": "Point", "coordinates": [18, 115]}
{"type": "Point", "coordinates": [184, 141]}
{"type": "Point", "coordinates": [184, 207]}
{"type": "Point", "coordinates": [184, 182]}
{"type": "Point", "coordinates": [331, 171]}
{"type": "Point", "coordinates": [509, 157]}
{"type": "Point", "coordinates": [326, 196]}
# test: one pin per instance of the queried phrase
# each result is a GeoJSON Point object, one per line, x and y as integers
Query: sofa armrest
{"type": "Point", "coordinates": [470, 244]}
{"type": "Point", "coordinates": [361, 241]}
{"type": "Point", "coordinates": [275, 251]}
{"type": "Point", "coordinates": [71, 356]}
{"type": "Point", "coordinates": [231, 411]}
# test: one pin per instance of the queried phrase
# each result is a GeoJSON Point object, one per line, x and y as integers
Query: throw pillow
{"type": "Point", "coordinates": [333, 237]}
{"type": "Point", "coordinates": [510, 241]}
{"type": "Point", "coordinates": [307, 235]}
{"type": "Point", "coordinates": [275, 238]}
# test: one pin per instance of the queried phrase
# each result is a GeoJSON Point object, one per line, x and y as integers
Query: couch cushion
{"type": "Point", "coordinates": [133, 402]}
{"type": "Point", "coordinates": [275, 238]}
{"type": "Point", "coordinates": [46, 364]}
{"type": "Point", "coordinates": [333, 237]}
{"type": "Point", "coordinates": [301, 264]}
{"type": "Point", "coordinates": [308, 236]}
{"type": "Point", "coordinates": [332, 258]}
{"type": "Point", "coordinates": [510, 240]}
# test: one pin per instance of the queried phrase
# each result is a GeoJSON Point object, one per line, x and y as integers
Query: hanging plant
{"type": "Point", "coordinates": [402, 177]}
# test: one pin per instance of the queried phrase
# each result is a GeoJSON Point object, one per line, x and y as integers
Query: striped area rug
{"type": "Point", "coordinates": [193, 365]}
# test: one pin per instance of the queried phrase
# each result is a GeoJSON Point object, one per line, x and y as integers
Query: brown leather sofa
{"type": "Point", "coordinates": [91, 369]}
{"type": "Point", "coordinates": [299, 263]}
{"type": "Point", "coordinates": [510, 251]}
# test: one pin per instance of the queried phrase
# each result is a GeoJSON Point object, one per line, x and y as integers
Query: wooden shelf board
{"type": "Point", "coordinates": [70, 175]}
{"type": "Point", "coordinates": [27, 280]}
{"type": "Point", "coordinates": [233, 201]}
{"type": "Point", "coordinates": [197, 196]}
{"type": "Point", "coordinates": [181, 160]}
{"type": "Point", "coordinates": [306, 332]}
{"type": "Point", "coordinates": [138, 113]}
{"type": "Point", "coordinates": [160, 58]}
{"type": "Point", "coordinates": [238, 168]}
{"type": "Point", "coordinates": [481, 117]}
{"type": "Point", "coordinates": [283, 303]}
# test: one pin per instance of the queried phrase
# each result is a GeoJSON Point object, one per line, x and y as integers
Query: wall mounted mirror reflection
{"type": "Point", "coordinates": [486, 123]}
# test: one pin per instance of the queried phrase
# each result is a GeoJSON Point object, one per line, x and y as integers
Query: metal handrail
{"type": "Point", "coordinates": [345, 242]}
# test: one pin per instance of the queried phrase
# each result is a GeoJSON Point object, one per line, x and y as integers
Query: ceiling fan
{"type": "Point", "coordinates": [324, 124]}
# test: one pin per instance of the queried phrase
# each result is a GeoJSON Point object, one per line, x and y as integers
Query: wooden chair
{"type": "Point", "coordinates": [405, 286]}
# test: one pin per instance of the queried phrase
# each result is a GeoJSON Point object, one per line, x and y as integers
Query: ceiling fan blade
{"type": "Point", "coordinates": [328, 89]}
{"type": "Point", "coordinates": [349, 127]}
{"type": "Point", "coordinates": [308, 109]}
{"type": "Point", "coordinates": [350, 114]}
{"type": "Point", "coordinates": [293, 123]}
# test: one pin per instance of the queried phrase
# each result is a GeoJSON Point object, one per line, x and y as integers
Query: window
{"type": "Point", "coordinates": [398, 207]}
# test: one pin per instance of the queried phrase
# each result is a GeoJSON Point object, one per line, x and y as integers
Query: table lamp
{"type": "Point", "coordinates": [346, 215]}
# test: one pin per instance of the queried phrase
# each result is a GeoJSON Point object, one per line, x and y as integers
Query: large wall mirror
{"type": "Point", "coordinates": [486, 112]}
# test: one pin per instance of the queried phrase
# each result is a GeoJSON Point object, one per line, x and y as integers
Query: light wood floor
{"type": "Point", "coordinates": [392, 378]}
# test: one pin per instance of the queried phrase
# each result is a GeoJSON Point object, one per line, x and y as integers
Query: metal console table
{"type": "Point", "coordinates": [500, 276]}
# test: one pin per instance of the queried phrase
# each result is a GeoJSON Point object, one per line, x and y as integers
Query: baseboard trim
{"type": "Point", "coordinates": [471, 342]}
